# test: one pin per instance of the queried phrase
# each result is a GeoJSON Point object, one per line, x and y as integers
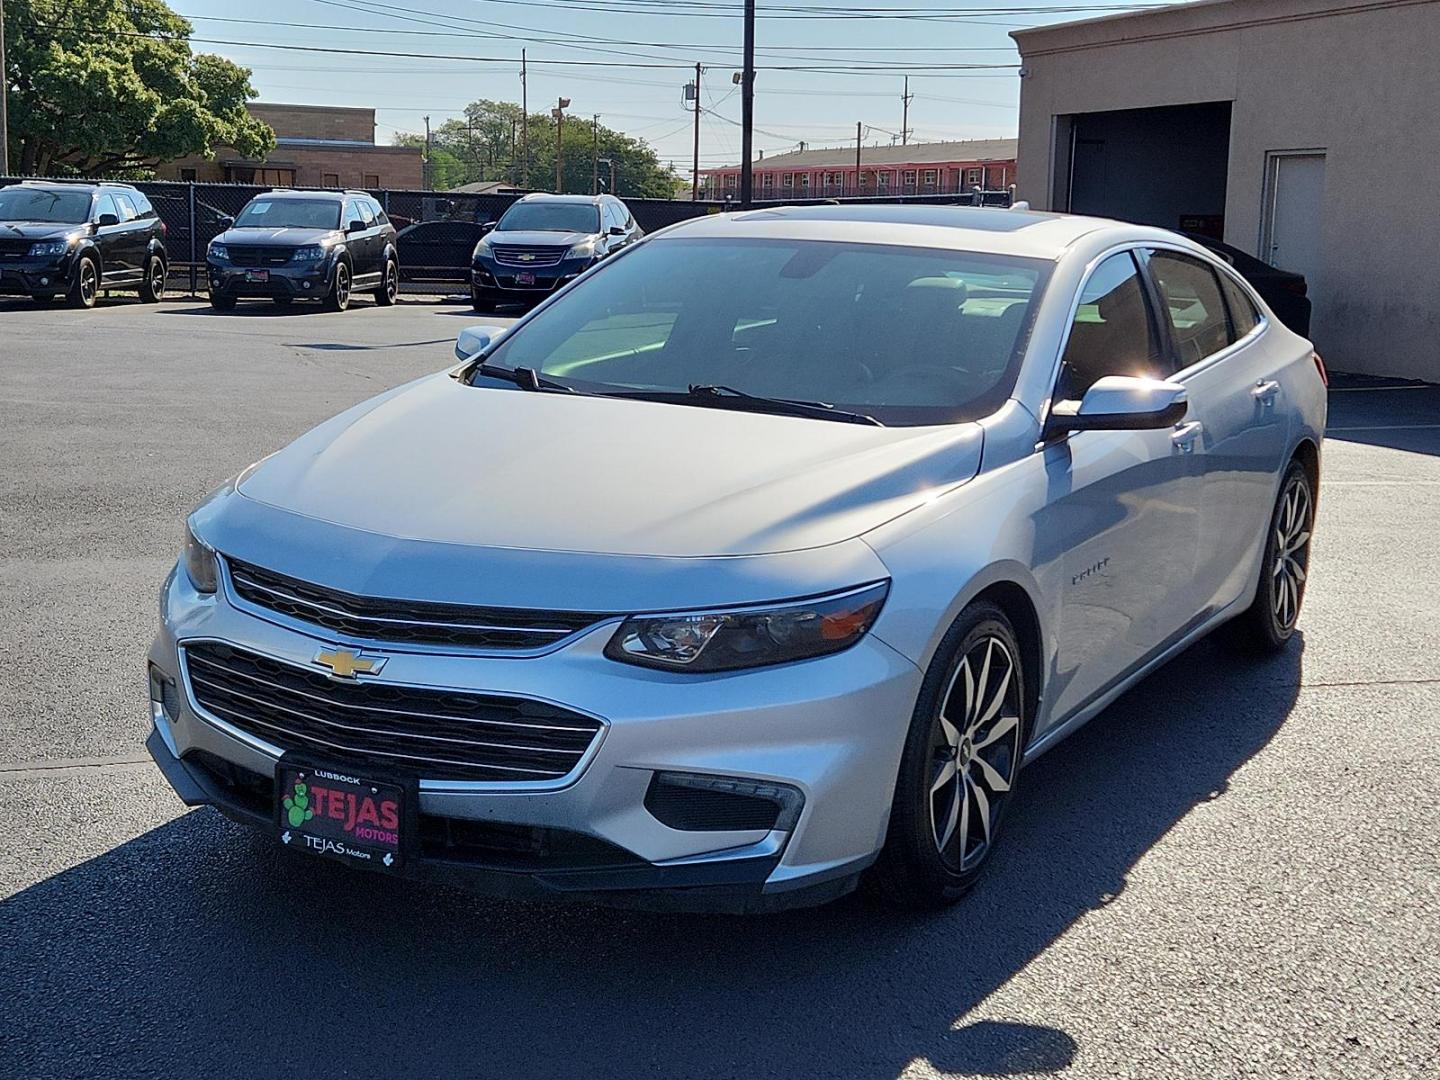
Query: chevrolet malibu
{"type": "Point", "coordinates": [751, 566]}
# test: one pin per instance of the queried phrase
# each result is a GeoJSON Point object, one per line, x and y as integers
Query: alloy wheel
{"type": "Point", "coordinates": [157, 279]}
{"type": "Point", "coordinates": [976, 751]}
{"type": "Point", "coordinates": [1291, 562]}
{"type": "Point", "coordinates": [392, 285]}
{"type": "Point", "coordinates": [88, 283]}
{"type": "Point", "coordinates": [342, 287]}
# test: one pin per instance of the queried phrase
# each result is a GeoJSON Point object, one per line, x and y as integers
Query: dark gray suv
{"type": "Point", "coordinates": [305, 245]}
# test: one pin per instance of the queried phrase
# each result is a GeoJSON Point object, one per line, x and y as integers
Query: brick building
{"type": "Point", "coordinates": [316, 146]}
{"type": "Point", "coordinates": [940, 168]}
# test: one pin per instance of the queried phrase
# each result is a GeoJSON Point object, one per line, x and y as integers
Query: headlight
{"type": "Point", "coordinates": [312, 253]}
{"type": "Point", "coordinates": [482, 248]}
{"type": "Point", "coordinates": [49, 247]}
{"type": "Point", "coordinates": [219, 251]}
{"type": "Point", "coordinates": [749, 637]}
{"type": "Point", "coordinates": [583, 250]}
{"type": "Point", "coordinates": [201, 565]}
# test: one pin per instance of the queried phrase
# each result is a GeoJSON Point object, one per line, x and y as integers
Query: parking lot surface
{"type": "Point", "coordinates": [1234, 871]}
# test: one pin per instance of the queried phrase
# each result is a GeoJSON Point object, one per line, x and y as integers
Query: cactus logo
{"type": "Point", "coordinates": [297, 805]}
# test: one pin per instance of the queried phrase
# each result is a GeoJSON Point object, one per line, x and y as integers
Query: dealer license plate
{"type": "Point", "coordinates": [336, 814]}
{"type": "Point", "coordinates": [261, 276]}
{"type": "Point", "coordinates": [525, 277]}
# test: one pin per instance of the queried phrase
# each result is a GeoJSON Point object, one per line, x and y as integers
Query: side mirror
{"type": "Point", "coordinates": [617, 230]}
{"type": "Point", "coordinates": [474, 340]}
{"type": "Point", "coordinates": [104, 221]}
{"type": "Point", "coordinates": [355, 226]}
{"type": "Point", "coordinates": [1121, 403]}
{"type": "Point", "coordinates": [225, 221]}
{"type": "Point", "coordinates": [487, 227]}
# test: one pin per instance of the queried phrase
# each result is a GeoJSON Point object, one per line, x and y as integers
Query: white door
{"type": "Point", "coordinates": [1294, 212]}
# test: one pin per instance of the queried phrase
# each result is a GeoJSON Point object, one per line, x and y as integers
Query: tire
{"type": "Point", "coordinates": [338, 298]}
{"type": "Point", "coordinates": [86, 286]}
{"type": "Point", "coordinates": [960, 765]}
{"type": "Point", "coordinates": [480, 304]}
{"type": "Point", "coordinates": [389, 284]}
{"type": "Point", "coordinates": [1269, 623]}
{"type": "Point", "coordinates": [220, 302]}
{"type": "Point", "coordinates": [152, 287]}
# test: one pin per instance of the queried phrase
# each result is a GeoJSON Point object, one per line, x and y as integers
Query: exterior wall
{"type": "Point", "coordinates": [317, 121]}
{"type": "Point", "coordinates": [716, 183]}
{"type": "Point", "coordinates": [1356, 80]}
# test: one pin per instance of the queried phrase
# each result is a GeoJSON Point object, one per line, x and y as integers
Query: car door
{"type": "Point", "coordinates": [133, 236]}
{"type": "Point", "coordinates": [1237, 397]}
{"type": "Point", "coordinates": [110, 240]}
{"type": "Point", "coordinates": [1117, 535]}
{"type": "Point", "coordinates": [361, 244]}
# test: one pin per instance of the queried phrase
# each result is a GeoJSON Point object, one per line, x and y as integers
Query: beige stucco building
{"type": "Point", "coordinates": [1306, 132]}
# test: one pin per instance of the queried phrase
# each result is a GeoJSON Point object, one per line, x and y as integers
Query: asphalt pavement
{"type": "Point", "coordinates": [1234, 871]}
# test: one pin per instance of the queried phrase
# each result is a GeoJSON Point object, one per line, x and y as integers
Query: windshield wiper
{"type": "Point", "coordinates": [819, 410]}
{"type": "Point", "coordinates": [523, 377]}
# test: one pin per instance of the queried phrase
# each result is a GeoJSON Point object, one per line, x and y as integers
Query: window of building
{"type": "Point", "coordinates": [908, 177]}
{"type": "Point", "coordinates": [731, 180]}
{"type": "Point", "coordinates": [767, 180]}
{"type": "Point", "coordinates": [187, 176]}
{"type": "Point", "coordinates": [1198, 320]}
{"type": "Point", "coordinates": [788, 180]}
{"type": "Point", "coordinates": [1113, 332]}
{"type": "Point", "coordinates": [805, 181]}
{"type": "Point", "coordinates": [882, 180]}
{"type": "Point", "coordinates": [931, 176]}
{"type": "Point", "coordinates": [372, 180]}
{"type": "Point", "coordinates": [973, 176]}
{"type": "Point", "coordinates": [329, 179]}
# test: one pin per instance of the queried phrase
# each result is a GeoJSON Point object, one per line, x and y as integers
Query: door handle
{"type": "Point", "coordinates": [1184, 436]}
{"type": "Point", "coordinates": [1265, 391]}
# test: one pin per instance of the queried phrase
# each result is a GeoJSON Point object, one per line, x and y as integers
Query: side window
{"type": "Point", "coordinates": [1243, 315]}
{"type": "Point", "coordinates": [1113, 332]}
{"type": "Point", "coordinates": [367, 215]}
{"type": "Point", "coordinates": [106, 205]}
{"type": "Point", "coordinates": [142, 204]}
{"type": "Point", "coordinates": [127, 208]}
{"type": "Point", "coordinates": [379, 212]}
{"type": "Point", "coordinates": [1198, 320]}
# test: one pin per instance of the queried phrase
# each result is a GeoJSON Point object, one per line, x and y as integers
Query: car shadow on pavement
{"type": "Point", "coordinates": [1396, 413]}
{"type": "Point", "coordinates": [200, 948]}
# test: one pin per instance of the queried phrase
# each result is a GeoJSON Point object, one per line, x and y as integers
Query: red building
{"type": "Point", "coordinates": [942, 168]}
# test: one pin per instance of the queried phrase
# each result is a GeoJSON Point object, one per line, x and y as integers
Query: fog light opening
{"type": "Point", "coordinates": [164, 696]}
{"type": "Point", "coordinates": [696, 802]}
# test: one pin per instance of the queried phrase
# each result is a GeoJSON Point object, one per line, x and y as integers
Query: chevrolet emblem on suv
{"type": "Point", "coordinates": [345, 664]}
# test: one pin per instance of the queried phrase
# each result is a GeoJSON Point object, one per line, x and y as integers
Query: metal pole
{"type": "Point", "coordinates": [612, 176]}
{"type": "Point", "coordinates": [4, 105]}
{"type": "Point", "coordinates": [559, 115]}
{"type": "Point", "coordinates": [747, 108]}
{"type": "Point", "coordinates": [595, 155]}
{"type": "Point", "coordinates": [695, 168]}
{"type": "Point", "coordinates": [524, 122]}
{"type": "Point", "coordinates": [905, 114]}
{"type": "Point", "coordinates": [194, 247]}
{"type": "Point", "coordinates": [428, 171]}
{"type": "Point", "coordinates": [858, 184]}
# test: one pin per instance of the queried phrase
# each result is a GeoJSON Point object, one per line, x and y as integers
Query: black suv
{"type": "Point", "coordinates": [308, 245]}
{"type": "Point", "coordinates": [544, 242]}
{"type": "Point", "coordinates": [78, 239]}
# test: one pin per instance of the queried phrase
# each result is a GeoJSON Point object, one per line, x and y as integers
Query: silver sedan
{"type": "Point", "coordinates": [751, 566]}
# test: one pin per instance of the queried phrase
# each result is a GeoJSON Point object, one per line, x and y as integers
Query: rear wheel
{"type": "Point", "coordinates": [86, 286]}
{"type": "Point", "coordinates": [152, 288]}
{"type": "Point", "coordinates": [339, 298]}
{"type": "Point", "coordinates": [960, 765]}
{"type": "Point", "coordinates": [389, 284]}
{"type": "Point", "coordinates": [1269, 623]}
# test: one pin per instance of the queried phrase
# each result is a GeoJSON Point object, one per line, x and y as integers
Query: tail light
{"type": "Point", "coordinates": [1320, 367]}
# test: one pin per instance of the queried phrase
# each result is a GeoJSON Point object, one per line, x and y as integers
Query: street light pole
{"type": "Point", "coordinates": [559, 114]}
{"type": "Point", "coordinates": [695, 167]}
{"type": "Point", "coordinates": [747, 108]}
{"type": "Point", "coordinates": [858, 182]}
{"type": "Point", "coordinates": [4, 105]}
{"type": "Point", "coordinates": [524, 122]}
{"type": "Point", "coordinates": [595, 155]}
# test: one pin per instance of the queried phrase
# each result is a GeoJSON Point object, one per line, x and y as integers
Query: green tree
{"type": "Point", "coordinates": [111, 88]}
{"type": "Point", "coordinates": [479, 147]}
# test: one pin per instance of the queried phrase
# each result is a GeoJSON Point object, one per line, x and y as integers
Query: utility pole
{"type": "Point", "coordinates": [747, 108]}
{"type": "Point", "coordinates": [429, 170]}
{"type": "Point", "coordinates": [905, 100]}
{"type": "Point", "coordinates": [858, 183]}
{"type": "Point", "coordinates": [513, 176]}
{"type": "Point", "coordinates": [4, 105]}
{"type": "Point", "coordinates": [595, 155]}
{"type": "Point", "coordinates": [524, 122]}
{"type": "Point", "coordinates": [559, 114]}
{"type": "Point", "coordinates": [695, 166]}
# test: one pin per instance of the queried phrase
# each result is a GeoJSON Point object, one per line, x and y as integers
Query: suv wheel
{"type": "Point", "coordinates": [960, 765]}
{"type": "Point", "coordinates": [389, 284]}
{"type": "Point", "coordinates": [87, 283]}
{"type": "Point", "coordinates": [152, 289]}
{"type": "Point", "coordinates": [339, 298]}
{"type": "Point", "coordinates": [479, 303]}
{"type": "Point", "coordinates": [221, 302]}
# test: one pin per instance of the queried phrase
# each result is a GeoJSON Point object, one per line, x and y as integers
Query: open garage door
{"type": "Point", "coordinates": [1164, 166]}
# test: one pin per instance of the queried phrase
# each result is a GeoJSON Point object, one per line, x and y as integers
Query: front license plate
{"type": "Point", "coordinates": [524, 277]}
{"type": "Point", "coordinates": [261, 276]}
{"type": "Point", "coordinates": [339, 815]}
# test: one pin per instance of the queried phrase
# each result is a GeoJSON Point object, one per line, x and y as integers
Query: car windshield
{"type": "Point", "coordinates": [36, 204]}
{"type": "Point", "coordinates": [263, 213]}
{"type": "Point", "coordinates": [905, 335]}
{"type": "Point", "coordinates": [550, 217]}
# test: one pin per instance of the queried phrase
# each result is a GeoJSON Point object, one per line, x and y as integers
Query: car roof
{"type": "Point", "coordinates": [541, 196]}
{"type": "Point", "coordinates": [91, 185]}
{"type": "Point", "coordinates": [965, 228]}
{"type": "Point", "coordinates": [308, 193]}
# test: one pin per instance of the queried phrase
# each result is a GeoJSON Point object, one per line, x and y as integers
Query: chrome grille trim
{"type": "Point", "coordinates": [514, 255]}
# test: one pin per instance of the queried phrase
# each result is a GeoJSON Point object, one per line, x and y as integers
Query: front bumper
{"type": "Point", "coordinates": [832, 728]}
{"type": "Point", "coordinates": [300, 281]}
{"type": "Point", "coordinates": [494, 281]}
{"type": "Point", "coordinates": [27, 277]}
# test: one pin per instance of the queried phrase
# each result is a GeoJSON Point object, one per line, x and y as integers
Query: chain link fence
{"type": "Point", "coordinates": [436, 230]}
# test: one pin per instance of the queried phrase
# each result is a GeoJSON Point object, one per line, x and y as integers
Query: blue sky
{"type": "Point", "coordinates": [821, 107]}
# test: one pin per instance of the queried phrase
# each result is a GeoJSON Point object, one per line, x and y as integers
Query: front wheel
{"type": "Point", "coordinates": [221, 302]}
{"type": "Point", "coordinates": [339, 298]}
{"type": "Point", "coordinates": [152, 288]}
{"type": "Point", "coordinates": [389, 284]}
{"type": "Point", "coordinates": [1269, 623]}
{"type": "Point", "coordinates": [87, 284]}
{"type": "Point", "coordinates": [480, 303]}
{"type": "Point", "coordinates": [960, 764]}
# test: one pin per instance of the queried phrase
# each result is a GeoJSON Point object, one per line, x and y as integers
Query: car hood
{"type": "Point", "coordinates": [446, 463]}
{"type": "Point", "coordinates": [279, 237]}
{"type": "Point", "coordinates": [527, 238]}
{"type": "Point", "coordinates": [37, 230]}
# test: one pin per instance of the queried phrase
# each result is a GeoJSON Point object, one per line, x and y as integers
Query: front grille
{"type": "Point", "coordinates": [527, 256]}
{"type": "Point", "coordinates": [244, 255]}
{"type": "Point", "coordinates": [439, 734]}
{"type": "Point", "coordinates": [380, 619]}
{"type": "Point", "coordinates": [15, 249]}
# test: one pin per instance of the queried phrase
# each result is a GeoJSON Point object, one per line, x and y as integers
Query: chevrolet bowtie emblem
{"type": "Point", "coordinates": [527, 257]}
{"type": "Point", "coordinates": [345, 664]}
